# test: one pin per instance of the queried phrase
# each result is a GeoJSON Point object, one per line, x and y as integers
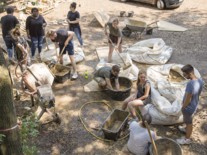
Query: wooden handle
{"type": "Point", "coordinates": [153, 143]}
{"type": "Point", "coordinates": [62, 50]}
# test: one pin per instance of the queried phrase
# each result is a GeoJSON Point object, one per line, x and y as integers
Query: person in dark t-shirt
{"type": "Point", "coordinates": [73, 20]}
{"type": "Point", "coordinates": [8, 23]}
{"type": "Point", "coordinates": [64, 40]}
{"type": "Point", "coordinates": [34, 27]}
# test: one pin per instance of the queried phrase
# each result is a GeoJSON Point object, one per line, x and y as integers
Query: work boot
{"type": "Point", "coordinates": [183, 141]}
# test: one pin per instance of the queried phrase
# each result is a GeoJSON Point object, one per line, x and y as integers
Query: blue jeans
{"type": "Point", "coordinates": [36, 42]}
{"type": "Point", "coordinates": [78, 36]}
{"type": "Point", "coordinates": [9, 41]}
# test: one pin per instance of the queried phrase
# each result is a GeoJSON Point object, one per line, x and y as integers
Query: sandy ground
{"type": "Point", "coordinates": [188, 48]}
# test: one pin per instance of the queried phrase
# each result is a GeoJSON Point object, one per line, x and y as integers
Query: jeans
{"type": "Point", "coordinates": [9, 41]}
{"type": "Point", "coordinates": [78, 36]}
{"type": "Point", "coordinates": [36, 42]}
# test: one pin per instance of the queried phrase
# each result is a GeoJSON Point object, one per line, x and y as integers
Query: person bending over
{"type": "Point", "coordinates": [104, 75]}
{"type": "Point", "coordinates": [63, 38]}
{"type": "Point", "coordinates": [115, 36]}
{"type": "Point", "coordinates": [141, 97]}
{"type": "Point", "coordinates": [190, 102]}
{"type": "Point", "coordinates": [139, 139]}
{"type": "Point", "coordinates": [22, 48]}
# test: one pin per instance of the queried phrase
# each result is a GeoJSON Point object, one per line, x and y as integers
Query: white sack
{"type": "Point", "coordinates": [131, 72]}
{"type": "Point", "coordinates": [101, 16]}
{"type": "Point", "coordinates": [167, 96]}
{"type": "Point", "coordinates": [47, 56]}
{"type": "Point", "coordinates": [151, 51]}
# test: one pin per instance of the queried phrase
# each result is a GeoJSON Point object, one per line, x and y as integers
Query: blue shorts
{"type": "Point", "coordinates": [68, 48]}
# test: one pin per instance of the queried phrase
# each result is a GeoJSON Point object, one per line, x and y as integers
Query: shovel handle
{"type": "Point", "coordinates": [62, 51]}
{"type": "Point", "coordinates": [152, 140]}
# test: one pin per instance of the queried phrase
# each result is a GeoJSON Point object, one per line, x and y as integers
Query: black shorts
{"type": "Point", "coordinates": [114, 39]}
{"type": "Point", "coordinates": [187, 117]}
{"type": "Point", "coordinates": [68, 48]}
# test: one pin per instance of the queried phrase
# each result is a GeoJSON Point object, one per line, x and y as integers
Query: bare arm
{"type": "Point", "coordinates": [117, 83]}
{"type": "Point", "coordinates": [105, 28]}
{"type": "Point", "coordinates": [70, 33]}
{"type": "Point", "coordinates": [108, 83]}
{"type": "Point", "coordinates": [156, 136]}
{"type": "Point", "coordinates": [28, 35]}
{"type": "Point", "coordinates": [187, 99]}
{"type": "Point", "coordinates": [146, 94]}
{"type": "Point", "coordinates": [57, 49]}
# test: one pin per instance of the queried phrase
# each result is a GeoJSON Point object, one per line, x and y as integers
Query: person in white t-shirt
{"type": "Point", "coordinates": [139, 140]}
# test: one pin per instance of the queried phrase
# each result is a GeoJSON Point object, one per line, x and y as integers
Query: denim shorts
{"type": "Point", "coordinates": [187, 116]}
{"type": "Point", "coordinates": [68, 48]}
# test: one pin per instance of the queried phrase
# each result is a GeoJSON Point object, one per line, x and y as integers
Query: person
{"type": "Point", "coordinates": [22, 48]}
{"type": "Point", "coordinates": [8, 23]}
{"type": "Point", "coordinates": [34, 27]}
{"type": "Point", "coordinates": [114, 37]}
{"type": "Point", "coordinates": [73, 21]}
{"type": "Point", "coordinates": [139, 138]}
{"type": "Point", "coordinates": [64, 39]}
{"type": "Point", "coordinates": [104, 75]}
{"type": "Point", "coordinates": [141, 97]}
{"type": "Point", "coordinates": [190, 102]}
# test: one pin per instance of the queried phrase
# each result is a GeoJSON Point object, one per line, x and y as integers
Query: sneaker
{"type": "Point", "coordinates": [132, 120]}
{"type": "Point", "coordinates": [11, 61]}
{"type": "Point", "coordinates": [183, 141]}
{"type": "Point", "coordinates": [33, 57]}
{"type": "Point", "coordinates": [181, 128]}
{"type": "Point", "coordinates": [75, 75]}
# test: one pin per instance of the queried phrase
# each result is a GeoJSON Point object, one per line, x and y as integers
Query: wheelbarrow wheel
{"type": "Point", "coordinates": [126, 32]}
{"type": "Point", "coordinates": [160, 4]}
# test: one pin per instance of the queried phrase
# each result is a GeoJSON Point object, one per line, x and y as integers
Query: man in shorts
{"type": "Point", "coordinates": [104, 75]}
{"type": "Point", "coordinates": [63, 38]}
{"type": "Point", "coordinates": [190, 102]}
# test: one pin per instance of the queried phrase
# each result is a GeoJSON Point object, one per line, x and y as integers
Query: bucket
{"type": "Point", "coordinates": [122, 13]}
{"type": "Point", "coordinates": [120, 95]}
{"type": "Point", "coordinates": [130, 13]}
{"type": "Point", "coordinates": [149, 30]}
{"type": "Point", "coordinates": [165, 146]}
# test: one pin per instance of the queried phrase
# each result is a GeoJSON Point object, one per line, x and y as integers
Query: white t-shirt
{"type": "Point", "coordinates": [139, 139]}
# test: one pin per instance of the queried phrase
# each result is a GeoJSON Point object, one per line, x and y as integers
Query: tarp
{"type": "Point", "coordinates": [150, 51]}
{"type": "Point", "coordinates": [131, 72]}
{"type": "Point", "coordinates": [167, 26]}
{"type": "Point", "coordinates": [167, 95]}
{"type": "Point", "coordinates": [47, 56]}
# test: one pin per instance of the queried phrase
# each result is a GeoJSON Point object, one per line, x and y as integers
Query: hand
{"type": "Point", "coordinates": [29, 36]}
{"type": "Point", "coordinates": [66, 43]}
{"type": "Point", "coordinates": [58, 59]}
{"type": "Point", "coordinates": [116, 48]}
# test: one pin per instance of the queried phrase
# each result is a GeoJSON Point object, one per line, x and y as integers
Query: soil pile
{"type": "Point", "coordinates": [120, 87]}
{"type": "Point", "coordinates": [175, 76]}
{"type": "Point", "coordinates": [166, 148]}
{"type": "Point", "coordinates": [59, 71]}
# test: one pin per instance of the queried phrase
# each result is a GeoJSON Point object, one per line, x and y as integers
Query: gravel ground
{"type": "Point", "coordinates": [188, 48]}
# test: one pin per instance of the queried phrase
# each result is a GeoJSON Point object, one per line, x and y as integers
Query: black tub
{"type": "Point", "coordinates": [114, 124]}
{"type": "Point", "coordinates": [121, 95]}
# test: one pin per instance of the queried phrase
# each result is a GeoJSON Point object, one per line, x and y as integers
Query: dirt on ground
{"type": "Point", "coordinates": [71, 138]}
{"type": "Point", "coordinates": [175, 76]}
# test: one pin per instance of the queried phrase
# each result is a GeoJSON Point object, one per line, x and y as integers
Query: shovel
{"type": "Point", "coordinates": [126, 66]}
{"type": "Point", "coordinates": [152, 140]}
{"type": "Point", "coordinates": [60, 55]}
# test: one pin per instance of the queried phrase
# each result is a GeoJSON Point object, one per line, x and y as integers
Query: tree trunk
{"type": "Point", "coordinates": [11, 144]}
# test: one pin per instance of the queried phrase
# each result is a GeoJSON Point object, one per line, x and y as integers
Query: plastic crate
{"type": "Point", "coordinates": [114, 124]}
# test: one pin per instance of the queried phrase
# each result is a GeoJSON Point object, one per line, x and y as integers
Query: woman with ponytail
{"type": "Point", "coordinates": [141, 97]}
{"type": "Point", "coordinates": [73, 21]}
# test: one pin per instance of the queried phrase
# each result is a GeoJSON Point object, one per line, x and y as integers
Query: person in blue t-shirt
{"type": "Point", "coordinates": [190, 102]}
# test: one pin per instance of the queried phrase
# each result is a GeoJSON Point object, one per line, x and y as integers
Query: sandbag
{"type": "Point", "coordinates": [151, 51]}
{"type": "Point", "coordinates": [166, 95]}
{"type": "Point", "coordinates": [47, 56]}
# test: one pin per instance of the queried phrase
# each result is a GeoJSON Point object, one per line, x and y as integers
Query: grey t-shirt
{"type": "Point", "coordinates": [193, 87]}
{"type": "Point", "coordinates": [113, 31]}
{"type": "Point", "coordinates": [139, 139]}
{"type": "Point", "coordinates": [105, 72]}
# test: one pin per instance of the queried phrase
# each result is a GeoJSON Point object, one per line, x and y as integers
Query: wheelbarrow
{"type": "Point", "coordinates": [36, 81]}
{"type": "Point", "coordinates": [137, 27]}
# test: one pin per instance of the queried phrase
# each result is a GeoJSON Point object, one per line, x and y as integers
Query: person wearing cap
{"type": "Point", "coordinates": [8, 23]}
{"type": "Point", "coordinates": [62, 40]}
{"type": "Point", "coordinates": [73, 19]}
{"type": "Point", "coordinates": [114, 37]}
{"type": "Point", "coordinates": [34, 27]}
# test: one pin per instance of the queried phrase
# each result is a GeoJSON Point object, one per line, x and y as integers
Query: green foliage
{"type": "Point", "coordinates": [2, 138]}
{"type": "Point", "coordinates": [29, 130]}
